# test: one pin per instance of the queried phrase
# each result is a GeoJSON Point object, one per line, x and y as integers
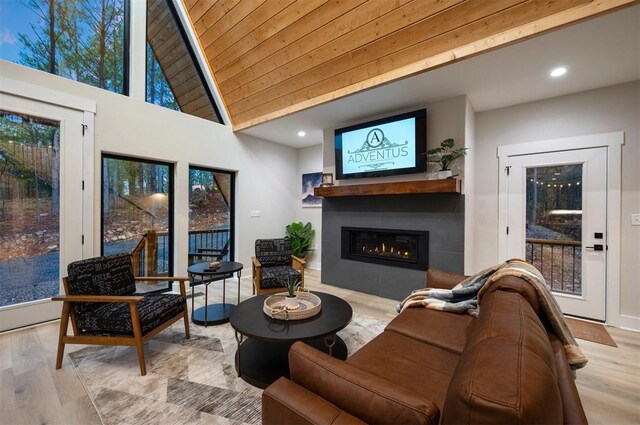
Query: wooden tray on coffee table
{"type": "Point", "coordinates": [308, 306]}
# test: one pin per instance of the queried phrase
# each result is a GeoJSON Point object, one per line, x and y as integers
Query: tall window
{"type": "Point", "coordinates": [137, 199]}
{"type": "Point", "coordinates": [211, 213]}
{"type": "Point", "coordinates": [174, 78]}
{"type": "Point", "coordinates": [83, 40]}
{"type": "Point", "coordinates": [159, 91]}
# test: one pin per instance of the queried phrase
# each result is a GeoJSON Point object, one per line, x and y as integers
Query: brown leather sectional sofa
{"type": "Point", "coordinates": [429, 367]}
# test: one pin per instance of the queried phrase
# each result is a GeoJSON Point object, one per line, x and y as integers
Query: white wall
{"type": "Point", "coordinates": [310, 161]}
{"type": "Point", "coordinates": [469, 188]}
{"type": "Point", "coordinates": [267, 174]}
{"type": "Point", "coordinates": [609, 109]}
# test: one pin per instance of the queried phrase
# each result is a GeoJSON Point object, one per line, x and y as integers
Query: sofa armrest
{"type": "Point", "coordinates": [285, 403]}
{"type": "Point", "coordinates": [443, 280]}
{"type": "Point", "coordinates": [370, 398]}
{"type": "Point", "coordinates": [572, 410]}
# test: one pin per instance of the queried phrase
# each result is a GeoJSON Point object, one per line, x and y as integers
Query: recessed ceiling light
{"type": "Point", "coordinates": [558, 72]}
{"type": "Point", "coordinates": [301, 133]}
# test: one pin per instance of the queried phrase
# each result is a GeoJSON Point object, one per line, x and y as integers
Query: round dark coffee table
{"type": "Point", "coordinates": [200, 274]}
{"type": "Point", "coordinates": [263, 342]}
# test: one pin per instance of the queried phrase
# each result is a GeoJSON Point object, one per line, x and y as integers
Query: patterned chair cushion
{"type": "Point", "coordinates": [108, 275]}
{"type": "Point", "coordinates": [272, 277]}
{"type": "Point", "coordinates": [274, 252]}
{"type": "Point", "coordinates": [115, 318]}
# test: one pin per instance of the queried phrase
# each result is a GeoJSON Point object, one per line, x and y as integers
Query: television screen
{"type": "Point", "coordinates": [388, 146]}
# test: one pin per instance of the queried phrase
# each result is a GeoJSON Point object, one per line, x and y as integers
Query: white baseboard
{"type": "Point", "coordinates": [313, 265]}
{"type": "Point", "coordinates": [631, 323]}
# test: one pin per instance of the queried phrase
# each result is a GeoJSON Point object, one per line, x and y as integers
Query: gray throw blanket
{"type": "Point", "coordinates": [463, 298]}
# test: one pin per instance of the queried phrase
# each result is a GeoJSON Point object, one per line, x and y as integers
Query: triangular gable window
{"type": "Point", "coordinates": [174, 78]}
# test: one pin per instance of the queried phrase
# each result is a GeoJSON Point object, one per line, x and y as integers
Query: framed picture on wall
{"type": "Point", "coordinates": [309, 182]}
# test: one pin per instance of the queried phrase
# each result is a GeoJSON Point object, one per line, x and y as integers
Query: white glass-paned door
{"type": "Point", "coordinates": [41, 160]}
{"type": "Point", "coordinates": [557, 221]}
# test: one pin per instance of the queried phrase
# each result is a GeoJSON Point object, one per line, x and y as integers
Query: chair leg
{"type": "Point", "coordinates": [64, 323]}
{"type": "Point", "coordinates": [137, 335]}
{"type": "Point", "coordinates": [186, 321]}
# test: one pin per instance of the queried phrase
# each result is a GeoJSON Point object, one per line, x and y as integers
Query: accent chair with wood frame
{"type": "Point", "coordinates": [105, 309]}
{"type": "Point", "coordinates": [273, 264]}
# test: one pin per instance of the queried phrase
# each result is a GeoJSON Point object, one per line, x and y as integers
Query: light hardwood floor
{"type": "Point", "coordinates": [33, 392]}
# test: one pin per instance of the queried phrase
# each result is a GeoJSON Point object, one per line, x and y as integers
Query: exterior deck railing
{"type": "Point", "coordinates": [151, 254]}
{"type": "Point", "coordinates": [560, 262]}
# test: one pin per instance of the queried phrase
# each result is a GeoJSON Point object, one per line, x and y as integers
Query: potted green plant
{"type": "Point", "coordinates": [444, 156]}
{"type": "Point", "coordinates": [300, 235]}
{"type": "Point", "coordinates": [292, 283]}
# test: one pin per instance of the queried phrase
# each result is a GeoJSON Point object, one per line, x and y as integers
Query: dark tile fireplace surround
{"type": "Point", "coordinates": [368, 242]}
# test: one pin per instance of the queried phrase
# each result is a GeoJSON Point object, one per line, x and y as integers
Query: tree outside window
{"type": "Point", "coordinates": [83, 40]}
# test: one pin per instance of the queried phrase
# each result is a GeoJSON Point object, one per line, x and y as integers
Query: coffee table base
{"type": "Point", "coordinates": [216, 314]}
{"type": "Point", "coordinates": [262, 363]}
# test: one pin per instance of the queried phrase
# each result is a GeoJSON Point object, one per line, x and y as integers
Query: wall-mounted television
{"type": "Point", "coordinates": [384, 147]}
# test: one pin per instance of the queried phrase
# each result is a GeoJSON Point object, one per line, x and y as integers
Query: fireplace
{"type": "Point", "coordinates": [398, 248]}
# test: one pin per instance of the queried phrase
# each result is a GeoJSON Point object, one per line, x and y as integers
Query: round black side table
{"type": "Point", "coordinates": [200, 274]}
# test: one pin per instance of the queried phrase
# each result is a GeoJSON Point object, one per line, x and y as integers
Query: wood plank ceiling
{"type": "Point", "coordinates": [270, 58]}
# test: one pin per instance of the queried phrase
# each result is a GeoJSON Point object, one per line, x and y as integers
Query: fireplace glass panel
{"type": "Point", "coordinates": [388, 246]}
{"type": "Point", "coordinates": [399, 248]}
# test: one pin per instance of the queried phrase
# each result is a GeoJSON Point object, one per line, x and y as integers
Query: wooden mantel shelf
{"type": "Point", "coordinates": [394, 188]}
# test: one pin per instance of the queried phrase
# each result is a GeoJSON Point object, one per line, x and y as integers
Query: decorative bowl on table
{"type": "Point", "coordinates": [308, 306]}
{"type": "Point", "coordinates": [213, 266]}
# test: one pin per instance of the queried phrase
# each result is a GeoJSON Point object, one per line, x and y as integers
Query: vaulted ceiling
{"type": "Point", "coordinates": [271, 58]}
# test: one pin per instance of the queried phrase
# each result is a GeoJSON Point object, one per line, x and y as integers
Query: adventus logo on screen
{"type": "Point", "coordinates": [388, 146]}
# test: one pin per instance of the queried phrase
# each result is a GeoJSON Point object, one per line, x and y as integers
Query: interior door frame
{"type": "Point", "coordinates": [613, 142]}
{"type": "Point", "coordinates": [54, 98]}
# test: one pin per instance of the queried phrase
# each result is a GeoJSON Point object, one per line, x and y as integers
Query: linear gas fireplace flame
{"type": "Point", "coordinates": [399, 248]}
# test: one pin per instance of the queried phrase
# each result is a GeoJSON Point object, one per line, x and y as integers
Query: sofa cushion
{"type": "Point", "coordinates": [115, 318]}
{"type": "Point", "coordinates": [408, 363]}
{"type": "Point", "coordinates": [439, 328]}
{"type": "Point", "coordinates": [506, 373]}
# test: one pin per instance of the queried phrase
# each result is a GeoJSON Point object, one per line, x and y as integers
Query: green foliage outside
{"type": "Point", "coordinates": [300, 235]}
{"type": "Point", "coordinates": [83, 40]}
{"type": "Point", "coordinates": [158, 89]}
{"type": "Point", "coordinates": [28, 158]}
{"type": "Point", "coordinates": [78, 39]}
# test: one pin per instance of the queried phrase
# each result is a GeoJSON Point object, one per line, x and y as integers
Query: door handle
{"type": "Point", "coordinates": [596, 247]}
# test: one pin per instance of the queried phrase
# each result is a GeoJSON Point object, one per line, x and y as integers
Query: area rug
{"type": "Point", "coordinates": [589, 331]}
{"type": "Point", "coordinates": [188, 381]}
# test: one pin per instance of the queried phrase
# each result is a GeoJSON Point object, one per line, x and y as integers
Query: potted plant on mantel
{"type": "Point", "coordinates": [444, 156]}
{"type": "Point", "coordinates": [292, 283]}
